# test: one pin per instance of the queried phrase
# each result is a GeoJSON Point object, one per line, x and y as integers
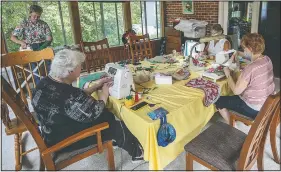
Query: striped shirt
{"type": "Point", "coordinates": [259, 75]}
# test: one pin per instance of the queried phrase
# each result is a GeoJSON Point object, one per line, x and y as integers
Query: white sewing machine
{"type": "Point", "coordinates": [123, 80]}
{"type": "Point", "coordinates": [223, 56]}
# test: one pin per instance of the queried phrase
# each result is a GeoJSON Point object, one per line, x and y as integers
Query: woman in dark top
{"type": "Point", "coordinates": [64, 110]}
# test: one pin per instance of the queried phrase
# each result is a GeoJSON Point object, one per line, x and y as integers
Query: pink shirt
{"type": "Point", "coordinates": [259, 75]}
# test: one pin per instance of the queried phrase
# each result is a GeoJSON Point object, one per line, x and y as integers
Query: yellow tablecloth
{"type": "Point", "coordinates": [187, 114]}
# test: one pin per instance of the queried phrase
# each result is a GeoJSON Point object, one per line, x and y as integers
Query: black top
{"type": "Point", "coordinates": [63, 110]}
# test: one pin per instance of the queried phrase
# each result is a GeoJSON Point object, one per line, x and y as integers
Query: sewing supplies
{"type": "Point", "coordinates": [129, 101]}
{"type": "Point", "coordinates": [215, 72]}
{"type": "Point", "coordinates": [136, 97]}
{"type": "Point", "coordinates": [139, 106]}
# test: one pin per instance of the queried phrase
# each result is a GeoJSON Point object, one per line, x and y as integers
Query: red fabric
{"type": "Point", "coordinates": [211, 89]}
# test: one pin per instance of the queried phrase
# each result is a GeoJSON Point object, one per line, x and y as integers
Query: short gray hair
{"type": "Point", "coordinates": [65, 61]}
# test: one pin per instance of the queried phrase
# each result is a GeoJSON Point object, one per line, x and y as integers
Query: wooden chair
{"type": "Point", "coordinates": [140, 47]}
{"type": "Point", "coordinates": [52, 159]}
{"type": "Point", "coordinates": [223, 147]}
{"type": "Point", "coordinates": [97, 54]}
{"type": "Point", "coordinates": [235, 116]}
{"type": "Point", "coordinates": [20, 62]}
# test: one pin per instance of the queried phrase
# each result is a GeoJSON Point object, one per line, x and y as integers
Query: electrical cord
{"type": "Point", "coordinates": [123, 136]}
{"type": "Point", "coordinates": [139, 165]}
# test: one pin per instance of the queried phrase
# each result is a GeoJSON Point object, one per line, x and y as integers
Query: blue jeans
{"type": "Point", "coordinates": [236, 104]}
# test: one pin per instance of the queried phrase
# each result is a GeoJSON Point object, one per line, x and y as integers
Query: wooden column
{"type": "Point", "coordinates": [127, 16]}
{"type": "Point", "coordinates": [3, 44]}
{"type": "Point", "coordinates": [75, 21]}
{"type": "Point", "coordinates": [162, 18]}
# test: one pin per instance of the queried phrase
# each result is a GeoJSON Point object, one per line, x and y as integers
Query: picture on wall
{"type": "Point", "coordinates": [187, 7]}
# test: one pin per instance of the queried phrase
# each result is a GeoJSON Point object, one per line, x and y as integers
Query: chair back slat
{"type": "Point", "coordinates": [8, 76]}
{"type": "Point", "coordinates": [5, 115]}
{"type": "Point", "coordinates": [32, 74]}
{"type": "Point", "coordinates": [26, 66]}
{"type": "Point", "coordinates": [255, 140]}
{"type": "Point", "coordinates": [21, 110]}
{"type": "Point", "coordinates": [97, 54]}
{"type": "Point", "coordinates": [140, 47]}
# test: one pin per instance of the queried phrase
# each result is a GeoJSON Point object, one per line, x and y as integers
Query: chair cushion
{"type": "Point", "coordinates": [240, 115]}
{"type": "Point", "coordinates": [219, 145]}
{"type": "Point", "coordinates": [62, 156]}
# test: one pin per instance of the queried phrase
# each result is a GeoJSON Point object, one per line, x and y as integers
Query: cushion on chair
{"type": "Point", "coordinates": [219, 145]}
{"type": "Point", "coordinates": [242, 116]}
{"type": "Point", "coordinates": [62, 156]}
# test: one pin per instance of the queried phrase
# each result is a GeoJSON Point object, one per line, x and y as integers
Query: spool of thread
{"type": "Point", "coordinates": [136, 97]}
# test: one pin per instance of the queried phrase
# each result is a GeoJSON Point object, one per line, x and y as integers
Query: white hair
{"type": "Point", "coordinates": [65, 61]}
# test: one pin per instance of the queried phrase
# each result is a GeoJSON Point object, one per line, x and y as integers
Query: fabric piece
{"type": "Point", "coordinates": [84, 81]}
{"type": "Point", "coordinates": [211, 89]}
{"type": "Point", "coordinates": [33, 33]}
{"type": "Point", "coordinates": [219, 145]}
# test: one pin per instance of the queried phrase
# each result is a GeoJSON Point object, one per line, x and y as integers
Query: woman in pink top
{"type": "Point", "coordinates": [254, 84]}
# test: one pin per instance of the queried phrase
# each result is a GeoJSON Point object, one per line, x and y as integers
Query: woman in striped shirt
{"type": "Point", "coordinates": [254, 84]}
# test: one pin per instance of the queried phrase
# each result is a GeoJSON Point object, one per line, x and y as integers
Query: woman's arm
{"type": "Point", "coordinates": [206, 49]}
{"type": "Point", "coordinates": [93, 88]}
{"type": "Point", "coordinates": [97, 86]}
{"type": "Point", "coordinates": [226, 46]}
{"type": "Point", "coordinates": [17, 41]}
{"type": "Point", "coordinates": [238, 87]}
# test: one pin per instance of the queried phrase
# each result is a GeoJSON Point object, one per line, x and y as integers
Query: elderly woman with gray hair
{"type": "Point", "coordinates": [64, 110]}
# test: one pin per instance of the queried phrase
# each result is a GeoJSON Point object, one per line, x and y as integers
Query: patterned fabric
{"type": "Point", "coordinates": [63, 110]}
{"type": "Point", "coordinates": [259, 75]}
{"type": "Point", "coordinates": [211, 89]}
{"type": "Point", "coordinates": [33, 33]}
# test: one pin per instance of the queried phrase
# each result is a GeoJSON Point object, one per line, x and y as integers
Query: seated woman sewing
{"type": "Point", "coordinates": [254, 84]}
{"type": "Point", "coordinates": [215, 46]}
{"type": "Point", "coordinates": [64, 110]}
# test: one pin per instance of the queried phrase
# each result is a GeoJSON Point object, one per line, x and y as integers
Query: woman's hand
{"type": "Point", "coordinates": [104, 80]}
{"type": "Point", "coordinates": [105, 87]}
{"type": "Point", "coordinates": [23, 45]}
{"type": "Point", "coordinates": [226, 71]}
{"type": "Point", "coordinates": [105, 91]}
{"type": "Point", "coordinates": [234, 56]}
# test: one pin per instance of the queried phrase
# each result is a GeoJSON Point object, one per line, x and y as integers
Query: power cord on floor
{"type": "Point", "coordinates": [123, 136]}
{"type": "Point", "coordinates": [124, 142]}
{"type": "Point", "coordinates": [139, 165]}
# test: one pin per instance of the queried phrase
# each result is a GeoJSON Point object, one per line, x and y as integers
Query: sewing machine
{"type": "Point", "coordinates": [223, 56]}
{"type": "Point", "coordinates": [122, 80]}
